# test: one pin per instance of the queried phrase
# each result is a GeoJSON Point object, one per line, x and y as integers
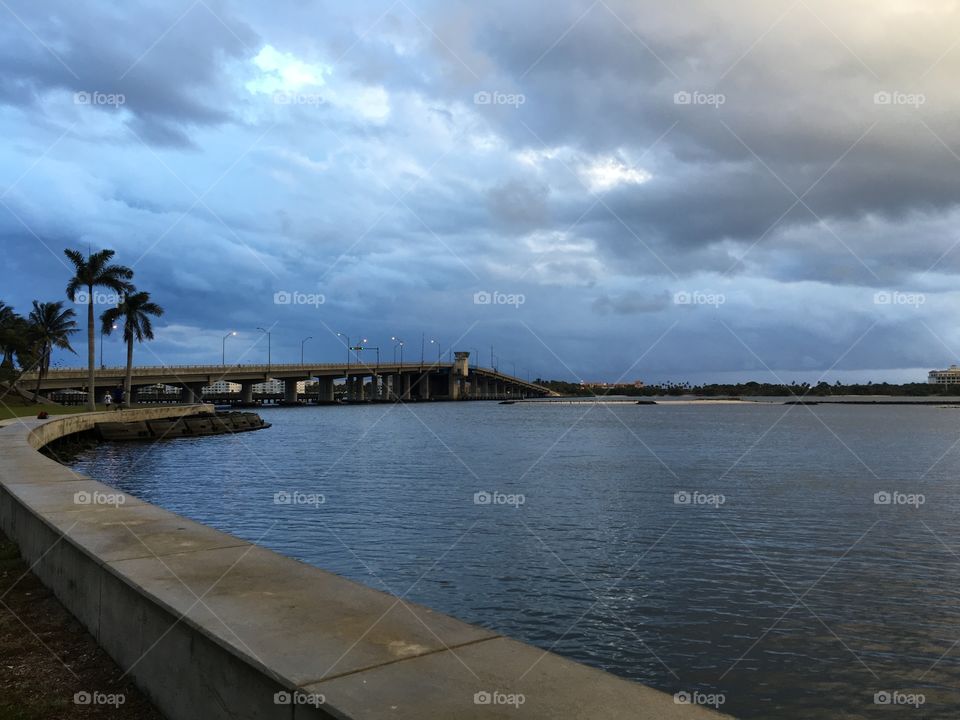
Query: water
{"type": "Point", "coordinates": [796, 597]}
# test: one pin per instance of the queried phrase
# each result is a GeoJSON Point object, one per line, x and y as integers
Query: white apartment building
{"type": "Point", "coordinates": [950, 376]}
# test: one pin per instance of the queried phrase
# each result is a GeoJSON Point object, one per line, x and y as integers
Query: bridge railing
{"type": "Point", "coordinates": [213, 369]}
{"type": "Point", "coordinates": [177, 372]}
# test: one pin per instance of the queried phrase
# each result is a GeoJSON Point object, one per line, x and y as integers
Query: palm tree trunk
{"type": "Point", "coordinates": [40, 373]}
{"type": "Point", "coordinates": [91, 354]}
{"type": "Point", "coordinates": [128, 386]}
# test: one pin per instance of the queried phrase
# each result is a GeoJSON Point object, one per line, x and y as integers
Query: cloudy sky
{"type": "Point", "coordinates": [614, 189]}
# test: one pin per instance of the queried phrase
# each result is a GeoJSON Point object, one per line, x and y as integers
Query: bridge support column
{"type": "Point", "coordinates": [290, 390]}
{"type": "Point", "coordinates": [406, 386]}
{"type": "Point", "coordinates": [423, 386]}
{"type": "Point", "coordinates": [453, 387]}
{"type": "Point", "coordinates": [361, 394]}
{"type": "Point", "coordinates": [246, 391]}
{"type": "Point", "coordinates": [325, 389]}
{"type": "Point", "coordinates": [192, 393]}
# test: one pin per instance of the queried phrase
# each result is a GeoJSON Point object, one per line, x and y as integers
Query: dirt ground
{"type": "Point", "coordinates": [47, 658]}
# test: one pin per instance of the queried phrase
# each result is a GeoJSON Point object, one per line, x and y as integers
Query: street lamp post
{"type": "Point", "coordinates": [340, 334]}
{"type": "Point", "coordinates": [223, 348]}
{"type": "Point", "coordinates": [112, 327]}
{"type": "Point", "coordinates": [399, 344]}
{"type": "Point", "coordinates": [437, 343]}
{"type": "Point", "coordinates": [269, 347]}
{"type": "Point", "coordinates": [301, 347]}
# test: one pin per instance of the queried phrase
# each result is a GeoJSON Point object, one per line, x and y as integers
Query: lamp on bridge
{"type": "Point", "coordinates": [399, 344]}
{"type": "Point", "coordinates": [437, 343]}
{"type": "Point", "coordinates": [347, 337]}
{"type": "Point", "coordinates": [269, 347]}
{"type": "Point", "coordinates": [223, 349]}
{"type": "Point", "coordinates": [113, 327]}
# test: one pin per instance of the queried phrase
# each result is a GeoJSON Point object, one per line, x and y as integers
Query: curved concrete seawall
{"type": "Point", "coordinates": [211, 626]}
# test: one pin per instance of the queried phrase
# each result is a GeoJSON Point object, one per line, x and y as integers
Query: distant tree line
{"type": "Point", "coordinates": [753, 389]}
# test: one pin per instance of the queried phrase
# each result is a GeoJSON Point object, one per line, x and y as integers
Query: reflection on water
{"type": "Point", "coordinates": [796, 597]}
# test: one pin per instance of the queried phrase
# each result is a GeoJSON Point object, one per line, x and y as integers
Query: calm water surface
{"type": "Point", "coordinates": [796, 597]}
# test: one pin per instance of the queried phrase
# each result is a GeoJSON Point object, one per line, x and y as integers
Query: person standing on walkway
{"type": "Point", "coordinates": [107, 400]}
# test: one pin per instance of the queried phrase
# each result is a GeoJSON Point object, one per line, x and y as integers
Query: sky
{"type": "Point", "coordinates": [610, 190]}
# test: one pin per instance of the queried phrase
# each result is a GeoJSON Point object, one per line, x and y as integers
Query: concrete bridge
{"type": "Point", "coordinates": [384, 381]}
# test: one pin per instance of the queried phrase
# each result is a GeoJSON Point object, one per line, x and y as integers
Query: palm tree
{"type": "Point", "coordinates": [50, 327]}
{"type": "Point", "coordinates": [16, 352]}
{"type": "Point", "coordinates": [135, 310]}
{"type": "Point", "coordinates": [91, 272]}
{"type": "Point", "coordinates": [11, 335]}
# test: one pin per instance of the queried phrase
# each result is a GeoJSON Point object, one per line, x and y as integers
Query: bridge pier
{"type": "Point", "coordinates": [290, 390]}
{"type": "Point", "coordinates": [324, 389]}
{"type": "Point", "coordinates": [191, 392]}
{"type": "Point", "coordinates": [246, 391]}
{"type": "Point", "coordinates": [423, 386]}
